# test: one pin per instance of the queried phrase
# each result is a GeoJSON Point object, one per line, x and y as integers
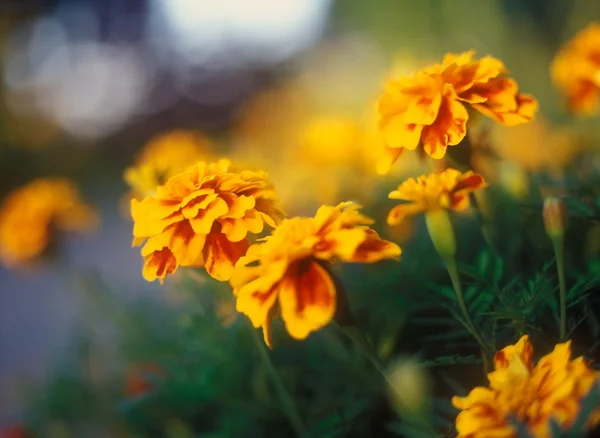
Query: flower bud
{"type": "Point", "coordinates": [410, 388]}
{"type": "Point", "coordinates": [555, 217]}
{"type": "Point", "coordinates": [441, 232]}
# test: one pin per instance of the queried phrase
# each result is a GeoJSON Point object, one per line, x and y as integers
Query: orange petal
{"type": "Point", "coordinates": [374, 249]}
{"type": "Point", "coordinates": [341, 243]}
{"type": "Point", "coordinates": [522, 348]}
{"type": "Point", "coordinates": [449, 129]}
{"type": "Point", "coordinates": [221, 255]}
{"type": "Point", "coordinates": [203, 221]}
{"type": "Point", "coordinates": [257, 302]}
{"type": "Point", "coordinates": [186, 245]}
{"type": "Point", "coordinates": [307, 297]}
{"type": "Point", "coordinates": [399, 212]}
{"type": "Point", "coordinates": [159, 264]}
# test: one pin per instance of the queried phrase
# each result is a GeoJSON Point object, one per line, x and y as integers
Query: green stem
{"type": "Point", "coordinates": [454, 277]}
{"type": "Point", "coordinates": [357, 336]}
{"type": "Point", "coordinates": [285, 398]}
{"type": "Point", "coordinates": [359, 339]}
{"type": "Point", "coordinates": [558, 245]}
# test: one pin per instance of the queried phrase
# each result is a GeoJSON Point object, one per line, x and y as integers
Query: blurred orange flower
{"type": "Point", "coordinates": [164, 157]}
{"type": "Point", "coordinates": [447, 190]}
{"type": "Point", "coordinates": [576, 71]}
{"type": "Point", "coordinates": [428, 107]}
{"type": "Point", "coordinates": [30, 213]}
{"type": "Point", "coordinates": [287, 270]}
{"type": "Point", "coordinates": [534, 147]}
{"type": "Point", "coordinates": [553, 389]}
{"type": "Point", "coordinates": [202, 218]}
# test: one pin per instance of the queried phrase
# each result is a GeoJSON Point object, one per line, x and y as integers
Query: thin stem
{"type": "Point", "coordinates": [454, 277]}
{"type": "Point", "coordinates": [559, 253]}
{"type": "Point", "coordinates": [285, 398]}
{"type": "Point", "coordinates": [357, 336]}
{"type": "Point", "coordinates": [359, 339]}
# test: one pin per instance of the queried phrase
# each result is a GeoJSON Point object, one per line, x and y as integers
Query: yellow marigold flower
{"type": "Point", "coordinates": [287, 270]}
{"type": "Point", "coordinates": [576, 71]}
{"type": "Point", "coordinates": [202, 218]}
{"type": "Point", "coordinates": [428, 107]}
{"type": "Point", "coordinates": [553, 389]}
{"type": "Point", "coordinates": [30, 214]}
{"type": "Point", "coordinates": [447, 190]}
{"type": "Point", "coordinates": [164, 157]}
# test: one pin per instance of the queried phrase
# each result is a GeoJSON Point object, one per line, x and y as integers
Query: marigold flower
{"type": "Point", "coordinates": [202, 218]}
{"type": "Point", "coordinates": [164, 157]}
{"type": "Point", "coordinates": [576, 71]}
{"type": "Point", "coordinates": [30, 214]}
{"type": "Point", "coordinates": [447, 190]}
{"type": "Point", "coordinates": [428, 107]}
{"type": "Point", "coordinates": [286, 271]}
{"type": "Point", "coordinates": [553, 389]}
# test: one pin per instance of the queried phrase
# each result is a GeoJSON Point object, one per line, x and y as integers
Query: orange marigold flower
{"type": "Point", "coordinates": [30, 214]}
{"type": "Point", "coordinates": [552, 390]}
{"type": "Point", "coordinates": [164, 157]}
{"type": "Point", "coordinates": [286, 271]}
{"type": "Point", "coordinates": [202, 218]}
{"type": "Point", "coordinates": [428, 107]}
{"type": "Point", "coordinates": [576, 71]}
{"type": "Point", "coordinates": [448, 190]}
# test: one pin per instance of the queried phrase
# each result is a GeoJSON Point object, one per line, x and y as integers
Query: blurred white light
{"type": "Point", "coordinates": [93, 91]}
{"type": "Point", "coordinates": [28, 47]}
{"type": "Point", "coordinates": [261, 30]}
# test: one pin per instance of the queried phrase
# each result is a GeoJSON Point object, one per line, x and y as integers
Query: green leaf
{"type": "Point", "coordinates": [578, 206]}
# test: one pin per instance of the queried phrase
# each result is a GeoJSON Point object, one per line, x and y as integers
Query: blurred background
{"type": "Point", "coordinates": [86, 84]}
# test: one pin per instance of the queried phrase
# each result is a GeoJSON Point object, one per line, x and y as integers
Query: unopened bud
{"type": "Point", "coordinates": [410, 388]}
{"type": "Point", "coordinates": [555, 217]}
{"type": "Point", "coordinates": [441, 232]}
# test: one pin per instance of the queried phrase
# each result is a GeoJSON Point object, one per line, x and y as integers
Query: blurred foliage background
{"type": "Point", "coordinates": [87, 348]}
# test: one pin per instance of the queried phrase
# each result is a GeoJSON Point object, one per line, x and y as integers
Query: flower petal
{"type": "Point", "coordinates": [398, 134]}
{"type": "Point", "coordinates": [159, 264]}
{"type": "Point", "coordinates": [399, 212]}
{"type": "Point", "coordinates": [448, 130]}
{"type": "Point", "coordinates": [307, 297]}
{"type": "Point", "coordinates": [221, 255]}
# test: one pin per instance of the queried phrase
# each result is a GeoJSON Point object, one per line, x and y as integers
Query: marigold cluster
{"type": "Point", "coordinates": [552, 390]}
{"type": "Point", "coordinates": [202, 217]}
{"type": "Point", "coordinates": [576, 71]}
{"type": "Point", "coordinates": [428, 108]}
{"type": "Point", "coordinates": [448, 190]}
{"type": "Point", "coordinates": [31, 213]}
{"type": "Point", "coordinates": [164, 157]}
{"type": "Point", "coordinates": [288, 272]}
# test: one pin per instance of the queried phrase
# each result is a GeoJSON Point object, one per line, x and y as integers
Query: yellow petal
{"type": "Point", "coordinates": [398, 134]}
